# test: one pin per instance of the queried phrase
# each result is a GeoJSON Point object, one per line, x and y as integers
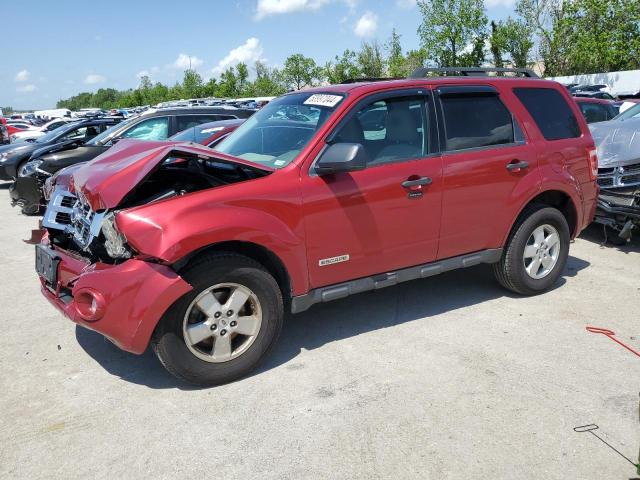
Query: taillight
{"type": "Point", "coordinates": [593, 162]}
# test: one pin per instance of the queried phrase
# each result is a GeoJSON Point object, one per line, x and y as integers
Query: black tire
{"type": "Point", "coordinates": [168, 339]}
{"type": "Point", "coordinates": [510, 270]}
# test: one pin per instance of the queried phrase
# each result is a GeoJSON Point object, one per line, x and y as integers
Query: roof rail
{"type": "Point", "coordinates": [369, 79]}
{"type": "Point", "coordinates": [471, 72]}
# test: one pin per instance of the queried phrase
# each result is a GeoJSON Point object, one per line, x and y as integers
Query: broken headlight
{"type": "Point", "coordinates": [115, 242]}
{"type": "Point", "coordinates": [29, 168]}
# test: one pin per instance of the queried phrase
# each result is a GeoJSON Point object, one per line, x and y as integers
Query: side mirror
{"type": "Point", "coordinates": [342, 157]}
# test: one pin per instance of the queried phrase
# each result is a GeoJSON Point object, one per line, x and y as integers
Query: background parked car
{"type": "Point", "coordinates": [31, 134]}
{"type": "Point", "coordinates": [596, 109]}
{"type": "Point", "coordinates": [4, 134]}
{"type": "Point", "coordinates": [152, 125]}
{"type": "Point", "coordinates": [14, 156]}
{"type": "Point", "coordinates": [209, 134]}
{"type": "Point", "coordinates": [28, 190]}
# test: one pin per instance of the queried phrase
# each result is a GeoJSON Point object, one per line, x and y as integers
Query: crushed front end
{"type": "Point", "coordinates": [619, 209]}
{"type": "Point", "coordinates": [91, 275]}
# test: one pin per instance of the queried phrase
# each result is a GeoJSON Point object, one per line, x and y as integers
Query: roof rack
{"type": "Point", "coordinates": [369, 79]}
{"type": "Point", "coordinates": [471, 72]}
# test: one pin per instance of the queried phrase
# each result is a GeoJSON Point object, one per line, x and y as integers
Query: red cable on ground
{"type": "Point", "coordinates": [611, 334]}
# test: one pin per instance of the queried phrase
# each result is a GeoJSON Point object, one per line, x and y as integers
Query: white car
{"type": "Point", "coordinates": [32, 133]}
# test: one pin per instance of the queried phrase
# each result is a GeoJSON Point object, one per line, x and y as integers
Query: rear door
{"type": "Point", "coordinates": [372, 221]}
{"type": "Point", "coordinates": [486, 160]}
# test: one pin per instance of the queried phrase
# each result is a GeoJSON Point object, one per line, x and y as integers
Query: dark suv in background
{"type": "Point", "coordinates": [152, 125]}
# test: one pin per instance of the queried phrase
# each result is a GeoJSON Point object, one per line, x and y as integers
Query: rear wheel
{"type": "Point", "coordinates": [536, 252]}
{"type": "Point", "coordinates": [226, 326]}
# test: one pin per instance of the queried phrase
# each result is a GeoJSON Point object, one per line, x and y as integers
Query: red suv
{"type": "Point", "coordinates": [321, 194]}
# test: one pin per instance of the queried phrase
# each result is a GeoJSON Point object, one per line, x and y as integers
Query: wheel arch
{"type": "Point", "coordinates": [553, 198]}
{"type": "Point", "coordinates": [265, 257]}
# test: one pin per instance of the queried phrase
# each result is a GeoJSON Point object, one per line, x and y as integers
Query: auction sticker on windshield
{"type": "Point", "coordinates": [323, 100]}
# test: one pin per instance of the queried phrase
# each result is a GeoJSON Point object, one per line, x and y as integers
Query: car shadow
{"type": "Point", "coordinates": [331, 322]}
{"type": "Point", "coordinates": [596, 233]}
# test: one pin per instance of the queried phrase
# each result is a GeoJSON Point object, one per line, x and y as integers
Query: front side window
{"type": "Point", "coordinates": [277, 133]}
{"type": "Point", "coordinates": [475, 121]}
{"type": "Point", "coordinates": [152, 129]}
{"type": "Point", "coordinates": [391, 130]}
{"type": "Point", "coordinates": [550, 111]}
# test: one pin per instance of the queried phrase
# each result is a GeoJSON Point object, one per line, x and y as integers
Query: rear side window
{"type": "Point", "coordinates": [473, 121]}
{"type": "Point", "coordinates": [550, 111]}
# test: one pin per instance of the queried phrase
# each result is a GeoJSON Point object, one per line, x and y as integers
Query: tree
{"type": "Point", "coordinates": [267, 83]}
{"type": "Point", "coordinates": [584, 36]}
{"type": "Point", "coordinates": [370, 60]}
{"type": "Point", "coordinates": [397, 64]}
{"type": "Point", "coordinates": [497, 46]}
{"type": "Point", "coordinates": [450, 28]}
{"type": "Point", "coordinates": [342, 68]}
{"type": "Point", "coordinates": [228, 84]}
{"type": "Point", "coordinates": [242, 73]}
{"type": "Point", "coordinates": [300, 71]}
{"type": "Point", "coordinates": [415, 59]}
{"type": "Point", "coordinates": [191, 84]}
{"type": "Point", "coordinates": [511, 41]}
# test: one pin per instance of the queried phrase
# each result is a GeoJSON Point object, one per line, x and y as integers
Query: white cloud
{"type": "Point", "coordinates": [247, 53]}
{"type": "Point", "coordinates": [406, 3]}
{"type": "Point", "coordinates": [266, 8]}
{"type": "Point", "coordinates": [366, 25]}
{"type": "Point", "coordinates": [143, 73]}
{"type": "Point", "coordinates": [184, 62]}
{"type": "Point", "coordinates": [499, 3]}
{"type": "Point", "coordinates": [30, 87]}
{"type": "Point", "coordinates": [22, 76]}
{"type": "Point", "coordinates": [94, 78]}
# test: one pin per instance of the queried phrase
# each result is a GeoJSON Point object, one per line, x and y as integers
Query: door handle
{"type": "Point", "coordinates": [517, 165]}
{"type": "Point", "coordinates": [418, 182]}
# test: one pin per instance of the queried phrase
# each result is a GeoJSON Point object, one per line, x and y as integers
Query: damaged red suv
{"type": "Point", "coordinates": [320, 195]}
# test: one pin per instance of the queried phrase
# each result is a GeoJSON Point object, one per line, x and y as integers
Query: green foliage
{"type": "Point", "coordinates": [342, 68]}
{"type": "Point", "coordinates": [569, 36]}
{"type": "Point", "coordinates": [396, 62]}
{"type": "Point", "coordinates": [371, 62]}
{"type": "Point", "coordinates": [7, 110]}
{"type": "Point", "coordinates": [584, 36]}
{"type": "Point", "coordinates": [511, 37]}
{"type": "Point", "coordinates": [452, 32]}
{"type": "Point", "coordinates": [300, 71]}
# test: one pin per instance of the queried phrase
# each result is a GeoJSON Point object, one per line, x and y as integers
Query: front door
{"type": "Point", "coordinates": [386, 216]}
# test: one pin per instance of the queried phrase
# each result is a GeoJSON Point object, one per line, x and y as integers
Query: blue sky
{"type": "Point", "coordinates": [55, 49]}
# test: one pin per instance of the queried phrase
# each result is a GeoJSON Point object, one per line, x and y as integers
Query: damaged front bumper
{"type": "Point", "coordinates": [620, 210]}
{"type": "Point", "coordinates": [26, 192]}
{"type": "Point", "coordinates": [123, 302]}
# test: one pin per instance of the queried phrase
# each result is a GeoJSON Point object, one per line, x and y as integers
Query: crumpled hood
{"type": "Point", "coordinates": [618, 142]}
{"type": "Point", "coordinates": [108, 178]}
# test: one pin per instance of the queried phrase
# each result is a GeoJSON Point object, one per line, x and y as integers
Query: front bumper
{"type": "Point", "coordinates": [136, 294]}
{"type": "Point", "coordinates": [4, 173]}
{"type": "Point", "coordinates": [27, 192]}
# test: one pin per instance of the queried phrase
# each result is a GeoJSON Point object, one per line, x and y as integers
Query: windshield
{"type": "Point", "coordinates": [58, 132]}
{"type": "Point", "coordinates": [110, 132]}
{"type": "Point", "coordinates": [632, 112]}
{"type": "Point", "coordinates": [277, 133]}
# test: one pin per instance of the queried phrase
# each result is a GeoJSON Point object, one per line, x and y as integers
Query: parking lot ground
{"type": "Point", "coordinates": [449, 377]}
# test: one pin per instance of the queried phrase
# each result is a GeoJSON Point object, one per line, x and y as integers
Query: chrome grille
{"type": "Point", "coordinates": [626, 176]}
{"type": "Point", "coordinates": [73, 215]}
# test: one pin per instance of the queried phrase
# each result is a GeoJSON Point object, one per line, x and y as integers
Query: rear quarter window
{"type": "Point", "coordinates": [550, 111]}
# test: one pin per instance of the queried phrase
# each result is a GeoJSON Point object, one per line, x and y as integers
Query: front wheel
{"type": "Point", "coordinates": [536, 252]}
{"type": "Point", "coordinates": [225, 326]}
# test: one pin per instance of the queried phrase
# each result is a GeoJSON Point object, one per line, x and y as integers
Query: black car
{"type": "Point", "coordinates": [153, 125]}
{"type": "Point", "coordinates": [14, 156]}
{"type": "Point", "coordinates": [4, 134]}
